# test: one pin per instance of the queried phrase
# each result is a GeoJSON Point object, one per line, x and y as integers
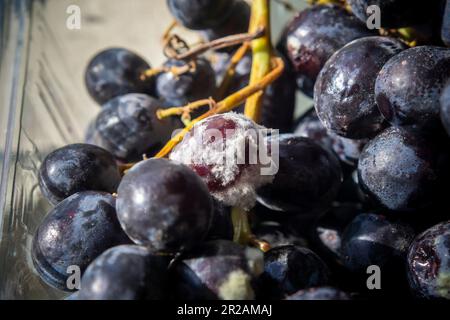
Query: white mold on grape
{"type": "Point", "coordinates": [225, 158]}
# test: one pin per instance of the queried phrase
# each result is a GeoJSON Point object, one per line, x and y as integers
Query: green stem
{"type": "Point", "coordinates": [261, 54]}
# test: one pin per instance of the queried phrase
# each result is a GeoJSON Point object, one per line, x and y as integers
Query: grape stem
{"type": "Point", "coordinates": [176, 71]}
{"type": "Point", "coordinates": [242, 231]}
{"type": "Point", "coordinates": [185, 112]}
{"type": "Point", "coordinates": [168, 31]}
{"type": "Point", "coordinates": [261, 55]}
{"type": "Point", "coordinates": [220, 43]}
{"type": "Point", "coordinates": [174, 44]}
{"type": "Point", "coordinates": [407, 35]}
{"type": "Point", "coordinates": [228, 104]}
{"type": "Point", "coordinates": [124, 167]}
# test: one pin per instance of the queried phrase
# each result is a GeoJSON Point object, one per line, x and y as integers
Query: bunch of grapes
{"type": "Point", "coordinates": [168, 198]}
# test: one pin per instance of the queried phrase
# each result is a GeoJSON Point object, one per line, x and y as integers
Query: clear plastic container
{"type": "Point", "coordinates": [44, 105]}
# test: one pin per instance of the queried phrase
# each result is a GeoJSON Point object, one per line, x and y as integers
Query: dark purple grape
{"type": "Point", "coordinates": [398, 170]}
{"type": "Point", "coordinates": [179, 90]}
{"type": "Point", "coordinates": [164, 205]}
{"type": "Point", "coordinates": [393, 13]}
{"type": "Point", "coordinates": [314, 35]}
{"type": "Point", "coordinates": [75, 168]}
{"type": "Point", "coordinates": [221, 225]}
{"type": "Point", "coordinates": [372, 239]}
{"type": "Point", "coordinates": [308, 177]}
{"type": "Point", "coordinates": [128, 127]}
{"type": "Point", "coordinates": [277, 234]}
{"type": "Point", "coordinates": [348, 150]}
{"type": "Point", "coordinates": [409, 85]}
{"type": "Point", "coordinates": [74, 233]}
{"type": "Point", "coordinates": [429, 263]}
{"type": "Point", "coordinates": [218, 270]}
{"type": "Point", "coordinates": [126, 272]}
{"type": "Point", "coordinates": [445, 107]}
{"type": "Point", "coordinates": [320, 293]}
{"type": "Point", "coordinates": [237, 22]}
{"type": "Point", "coordinates": [115, 72]}
{"type": "Point", "coordinates": [288, 269]}
{"type": "Point", "coordinates": [344, 94]}
{"type": "Point", "coordinates": [200, 14]}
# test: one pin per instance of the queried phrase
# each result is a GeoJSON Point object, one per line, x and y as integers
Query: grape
{"type": "Point", "coordinates": [344, 91]}
{"type": "Point", "coordinates": [188, 87]}
{"type": "Point", "coordinates": [115, 72]}
{"type": "Point", "coordinates": [74, 233]}
{"type": "Point", "coordinates": [164, 205]}
{"type": "Point", "coordinates": [314, 35]}
{"type": "Point", "coordinates": [75, 168]}
{"type": "Point", "coordinates": [445, 107]}
{"type": "Point", "coordinates": [307, 180]}
{"type": "Point", "coordinates": [237, 22]}
{"type": "Point", "coordinates": [126, 272]}
{"type": "Point", "coordinates": [218, 149]}
{"type": "Point", "coordinates": [428, 263]}
{"type": "Point", "coordinates": [399, 170]}
{"type": "Point", "coordinates": [218, 270]}
{"type": "Point", "coordinates": [200, 14]}
{"type": "Point", "coordinates": [348, 150]}
{"type": "Point", "coordinates": [320, 293]}
{"type": "Point", "coordinates": [393, 13]}
{"type": "Point", "coordinates": [409, 85]}
{"type": "Point", "coordinates": [372, 239]}
{"type": "Point", "coordinates": [128, 127]}
{"type": "Point", "coordinates": [288, 269]}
